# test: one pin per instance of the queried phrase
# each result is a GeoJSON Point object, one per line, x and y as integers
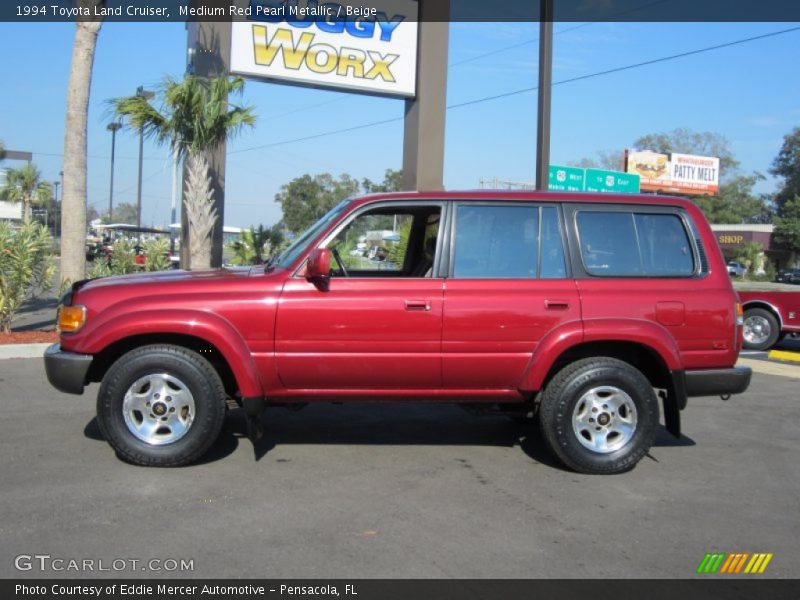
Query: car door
{"type": "Point", "coordinates": [377, 327]}
{"type": "Point", "coordinates": [508, 286]}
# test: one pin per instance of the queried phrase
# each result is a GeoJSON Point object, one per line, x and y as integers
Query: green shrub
{"type": "Point", "coordinates": [123, 259]}
{"type": "Point", "coordinates": [26, 267]}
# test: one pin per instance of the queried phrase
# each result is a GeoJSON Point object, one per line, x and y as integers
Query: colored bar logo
{"type": "Point", "coordinates": [734, 563]}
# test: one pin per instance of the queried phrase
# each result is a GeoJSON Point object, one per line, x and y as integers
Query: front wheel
{"type": "Point", "coordinates": [161, 405]}
{"type": "Point", "coordinates": [761, 329]}
{"type": "Point", "coordinates": [599, 416]}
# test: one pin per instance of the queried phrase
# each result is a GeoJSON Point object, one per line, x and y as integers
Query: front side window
{"type": "Point", "coordinates": [291, 253]}
{"type": "Point", "coordinates": [388, 241]}
{"type": "Point", "coordinates": [627, 244]}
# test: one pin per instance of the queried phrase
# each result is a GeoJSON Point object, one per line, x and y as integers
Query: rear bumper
{"type": "Point", "coordinates": [717, 382]}
{"type": "Point", "coordinates": [66, 371]}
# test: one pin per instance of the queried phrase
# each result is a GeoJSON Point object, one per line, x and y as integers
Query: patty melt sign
{"type": "Point", "coordinates": [368, 48]}
{"type": "Point", "coordinates": [678, 173]}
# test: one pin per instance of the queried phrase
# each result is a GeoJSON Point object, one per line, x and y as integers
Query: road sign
{"type": "Point", "coordinates": [598, 180]}
{"type": "Point", "coordinates": [565, 179]}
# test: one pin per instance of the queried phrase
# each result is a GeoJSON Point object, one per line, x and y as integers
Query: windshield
{"type": "Point", "coordinates": [289, 255]}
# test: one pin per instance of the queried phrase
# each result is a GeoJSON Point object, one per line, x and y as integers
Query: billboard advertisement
{"type": "Point", "coordinates": [676, 173]}
{"type": "Point", "coordinates": [370, 49]}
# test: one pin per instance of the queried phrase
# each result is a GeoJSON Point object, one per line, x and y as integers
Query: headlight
{"type": "Point", "coordinates": [71, 318]}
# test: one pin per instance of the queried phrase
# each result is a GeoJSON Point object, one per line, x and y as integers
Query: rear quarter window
{"type": "Point", "coordinates": [630, 244]}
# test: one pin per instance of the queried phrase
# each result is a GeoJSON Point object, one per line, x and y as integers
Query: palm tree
{"type": "Point", "coordinates": [255, 243]}
{"type": "Point", "coordinates": [25, 185]}
{"type": "Point", "coordinates": [73, 199]}
{"type": "Point", "coordinates": [195, 118]}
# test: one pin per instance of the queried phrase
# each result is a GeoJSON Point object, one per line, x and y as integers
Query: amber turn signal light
{"type": "Point", "coordinates": [71, 318]}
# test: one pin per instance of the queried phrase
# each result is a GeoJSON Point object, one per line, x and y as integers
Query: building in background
{"type": "Point", "coordinates": [731, 238]}
{"type": "Point", "coordinates": [11, 211]}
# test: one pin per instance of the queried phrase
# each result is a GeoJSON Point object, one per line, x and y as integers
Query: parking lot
{"type": "Point", "coordinates": [367, 491]}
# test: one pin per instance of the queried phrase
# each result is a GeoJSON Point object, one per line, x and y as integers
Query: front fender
{"type": "Point", "coordinates": [210, 327]}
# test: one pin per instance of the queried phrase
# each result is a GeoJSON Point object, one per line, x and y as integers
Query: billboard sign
{"type": "Point", "coordinates": [371, 49]}
{"type": "Point", "coordinates": [677, 173]}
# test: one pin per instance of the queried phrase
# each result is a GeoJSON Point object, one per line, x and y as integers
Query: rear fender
{"type": "Point", "coordinates": [569, 335]}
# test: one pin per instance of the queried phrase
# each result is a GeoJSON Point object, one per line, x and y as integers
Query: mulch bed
{"type": "Point", "coordinates": [28, 337]}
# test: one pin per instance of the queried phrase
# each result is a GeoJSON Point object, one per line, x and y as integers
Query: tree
{"type": "Point", "coordinates": [610, 160]}
{"type": "Point", "coordinates": [25, 185]}
{"type": "Point", "coordinates": [124, 212]}
{"type": "Point", "coordinates": [195, 118]}
{"type": "Point", "coordinates": [73, 215]}
{"type": "Point", "coordinates": [787, 225]}
{"type": "Point", "coordinates": [91, 214]}
{"type": "Point", "coordinates": [787, 166]}
{"type": "Point", "coordinates": [684, 141]}
{"type": "Point", "coordinates": [26, 267]}
{"type": "Point", "coordinates": [736, 202]}
{"type": "Point", "coordinates": [392, 182]}
{"type": "Point", "coordinates": [305, 199]}
{"type": "Point", "coordinates": [200, 211]}
{"type": "Point", "coordinates": [256, 244]}
{"type": "Point", "coordinates": [751, 255]}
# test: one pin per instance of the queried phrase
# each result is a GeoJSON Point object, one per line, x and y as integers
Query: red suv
{"type": "Point", "coordinates": [581, 309]}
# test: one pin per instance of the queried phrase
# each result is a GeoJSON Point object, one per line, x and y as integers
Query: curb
{"type": "Point", "coordinates": [784, 355]}
{"type": "Point", "coordinates": [771, 368]}
{"type": "Point", "coordinates": [22, 350]}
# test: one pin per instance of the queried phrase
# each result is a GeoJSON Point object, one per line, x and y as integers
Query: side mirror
{"type": "Point", "coordinates": [318, 267]}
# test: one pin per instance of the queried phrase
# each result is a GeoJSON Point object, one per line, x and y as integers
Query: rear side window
{"type": "Point", "coordinates": [496, 242]}
{"type": "Point", "coordinates": [508, 242]}
{"type": "Point", "coordinates": [625, 244]}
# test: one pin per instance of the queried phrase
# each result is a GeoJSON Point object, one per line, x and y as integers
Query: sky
{"type": "Point", "coordinates": [749, 93]}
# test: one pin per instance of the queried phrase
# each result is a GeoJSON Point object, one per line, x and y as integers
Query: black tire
{"type": "Point", "coordinates": [767, 334]}
{"type": "Point", "coordinates": [179, 364]}
{"type": "Point", "coordinates": [570, 386]}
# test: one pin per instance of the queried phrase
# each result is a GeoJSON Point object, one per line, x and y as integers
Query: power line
{"type": "Point", "coordinates": [529, 89]}
{"type": "Point", "coordinates": [567, 30]}
{"type": "Point", "coordinates": [626, 68]}
{"type": "Point", "coordinates": [318, 135]}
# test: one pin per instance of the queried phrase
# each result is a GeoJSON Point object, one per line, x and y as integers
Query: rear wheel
{"type": "Point", "coordinates": [599, 416]}
{"type": "Point", "coordinates": [161, 405]}
{"type": "Point", "coordinates": [761, 329]}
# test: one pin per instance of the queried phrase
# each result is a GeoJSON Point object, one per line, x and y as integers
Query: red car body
{"type": "Point", "coordinates": [275, 337]}
{"type": "Point", "coordinates": [784, 306]}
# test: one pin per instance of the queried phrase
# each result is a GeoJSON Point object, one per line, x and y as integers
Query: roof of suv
{"type": "Point", "coordinates": [514, 196]}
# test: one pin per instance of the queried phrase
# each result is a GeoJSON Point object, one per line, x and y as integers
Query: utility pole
{"type": "Point", "coordinates": [143, 93]}
{"type": "Point", "coordinates": [113, 128]}
{"type": "Point", "coordinates": [423, 133]}
{"type": "Point", "coordinates": [545, 89]}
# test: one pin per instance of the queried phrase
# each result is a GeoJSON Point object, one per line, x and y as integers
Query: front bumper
{"type": "Point", "coordinates": [66, 371]}
{"type": "Point", "coordinates": [717, 382]}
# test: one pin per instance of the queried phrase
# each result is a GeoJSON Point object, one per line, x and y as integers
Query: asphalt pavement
{"type": "Point", "coordinates": [367, 491]}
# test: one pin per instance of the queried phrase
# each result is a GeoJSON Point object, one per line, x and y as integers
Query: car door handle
{"type": "Point", "coordinates": [418, 305]}
{"type": "Point", "coordinates": [556, 304]}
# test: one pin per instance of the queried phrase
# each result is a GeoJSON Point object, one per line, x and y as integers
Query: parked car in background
{"type": "Point", "coordinates": [587, 310]}
{"type": "Point", "coordinates": [736, 269]}
{"type": "Point", "coordinates": [788, 276]}
{"type": "Point", "coordinates": [769, 316]}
